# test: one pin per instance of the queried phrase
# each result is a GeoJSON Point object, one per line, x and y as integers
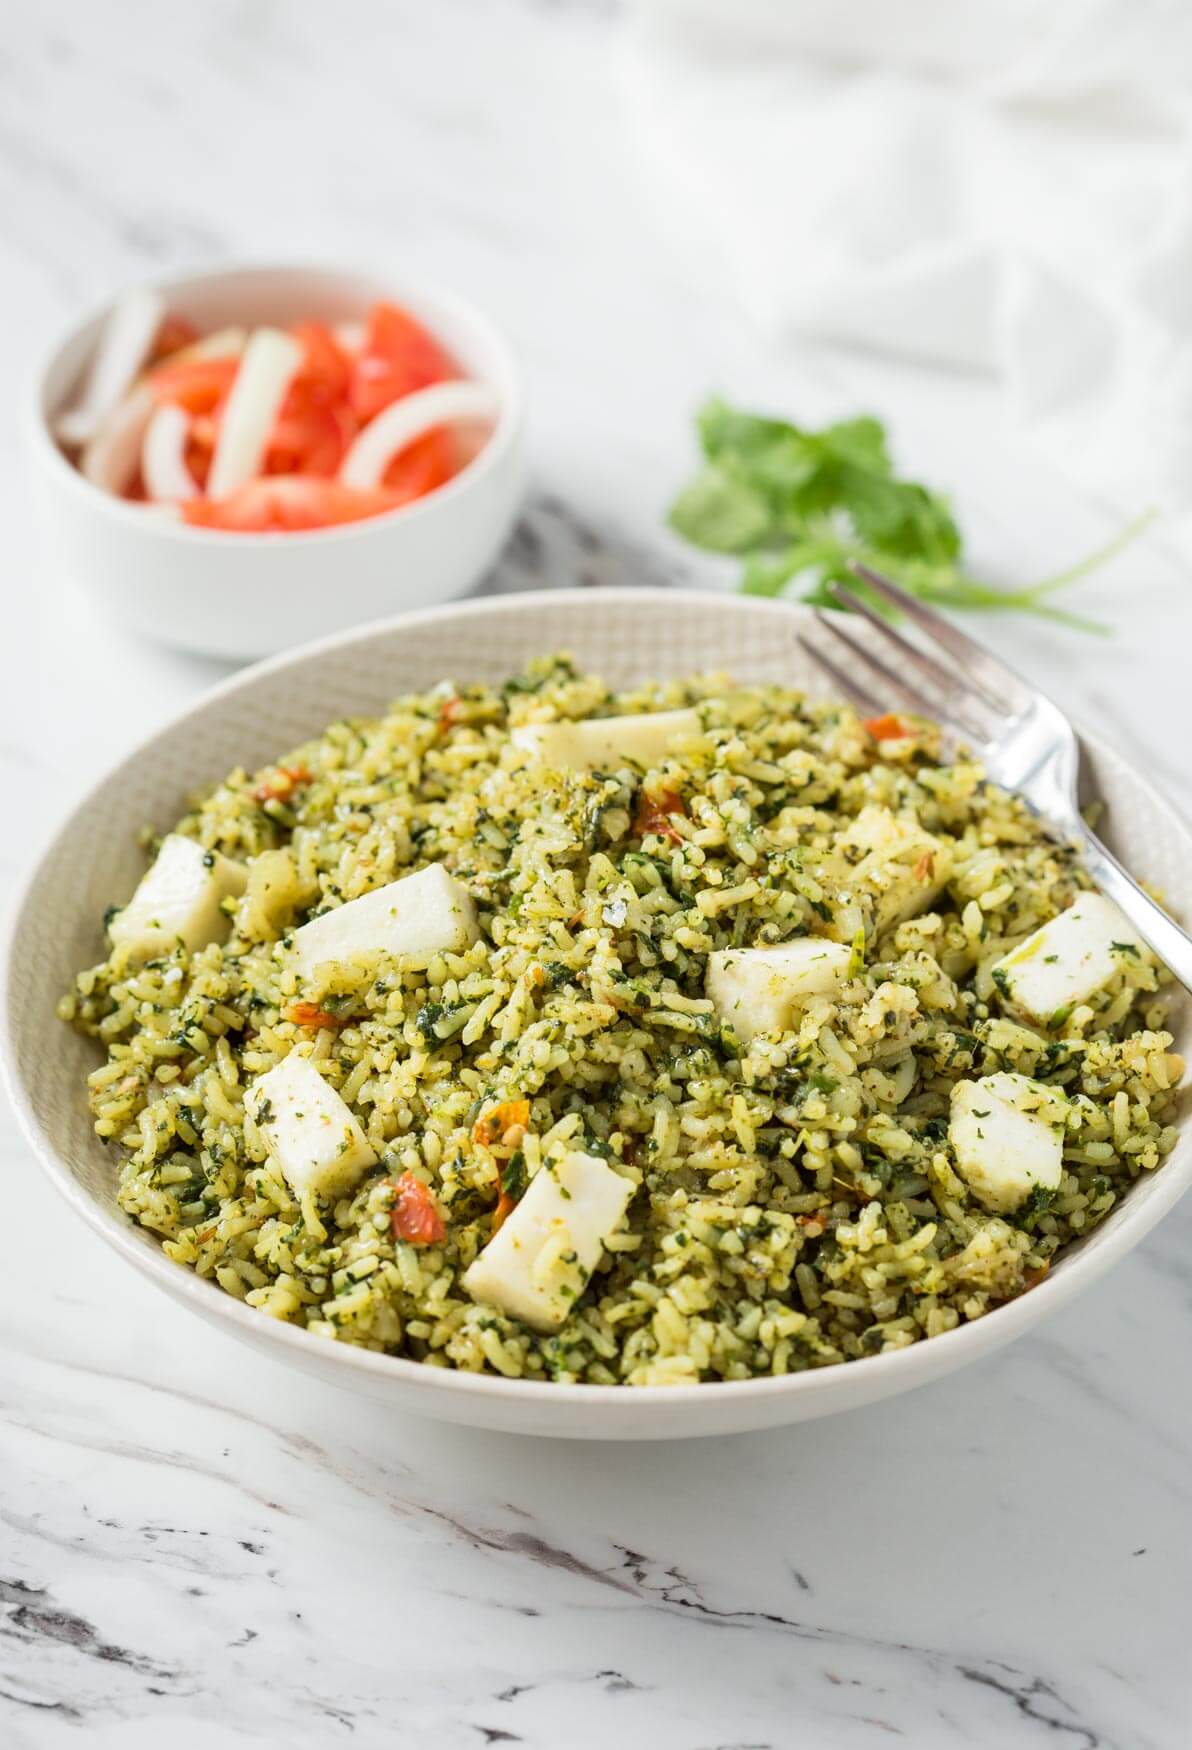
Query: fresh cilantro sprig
{"type": "Point", "coordinates": [798, 506]}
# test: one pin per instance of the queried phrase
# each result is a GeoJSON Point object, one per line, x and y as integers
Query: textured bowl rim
{"type": "Point", "coordinates": [504, 435]}
{"type": "Point", "coordinates": [895, 1371]}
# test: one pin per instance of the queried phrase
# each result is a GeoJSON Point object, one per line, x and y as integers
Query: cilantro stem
{"type": "Point", "coordinates": [1100, 556]}
{"type": "Point", "coordinates": [971, 594]}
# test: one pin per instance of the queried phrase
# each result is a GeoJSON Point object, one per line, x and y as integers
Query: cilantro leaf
{"type": "Point", "coordinates": [799, 506]}
{"type": "Point", "coordinates": [720, 512]}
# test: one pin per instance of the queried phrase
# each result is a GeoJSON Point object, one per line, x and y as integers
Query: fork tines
{"type": "Point", "coordinates": [944, 675]}
{"type": "Point", "coordinates": [998, 685]}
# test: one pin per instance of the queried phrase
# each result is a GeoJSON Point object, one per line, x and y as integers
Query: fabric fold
{"type": "Point", "coordinates": [984, 185]}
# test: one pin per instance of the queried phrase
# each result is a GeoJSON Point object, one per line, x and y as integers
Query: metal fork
{"type": "Point", "coordinates": [1025, 743]}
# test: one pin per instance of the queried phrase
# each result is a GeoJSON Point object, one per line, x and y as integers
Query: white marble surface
{"type": "Point", "coordinates": [198, 1546]}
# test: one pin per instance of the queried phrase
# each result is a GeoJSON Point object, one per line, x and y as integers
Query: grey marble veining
{"type": "Point", "coordinates": [198, 1547]}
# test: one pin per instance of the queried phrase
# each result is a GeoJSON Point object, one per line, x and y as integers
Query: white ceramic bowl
{"type": "Point", "coordinates": [626, 635]}
{"type": "Point", "coordinates": [237, 595]}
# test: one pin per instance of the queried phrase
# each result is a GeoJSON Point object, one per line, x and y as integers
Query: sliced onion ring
{"type": "Point", "coordinates": [225, 343]}
{"type": "Point", "coordinates": [266, 371]}
{"type": "Point", "coordinates": [163, 456]}
{"type": "Point", "coordinates": [110, 459]}
{"type": "Point", "coordinates": [411, 417]}
{"type": "Point", "coordinates": [124, 345]}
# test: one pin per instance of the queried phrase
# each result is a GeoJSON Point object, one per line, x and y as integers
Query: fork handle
{"type": "Point", "coordinates": [1172, 944]}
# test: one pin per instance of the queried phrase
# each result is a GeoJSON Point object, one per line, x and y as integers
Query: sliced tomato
{"type": "Point", "coordinates": [428, 462]}
{"type": "Point", "coordinates": [415, 1216]}
{"type": "Point", "coordinates": [326, 368]}
{"type": "Point", "coordinates": [175, 333]}
{"type": "Point", "coordinates": [398, 356]}
{"type": "Point", "coordinates": [653, 814]}
{"type": "Point", "coordinates": [334, 391]}
{"type": "Point", "coordinates": [289, 501]}
{"type": "Point", "coordinates": [200, 447]}
{"type": "Point", "coordinates": [491, 1126]}
{"type": "Point", "coordinates": [311, 439]}
{"type": "Point", "coordinates": [315, 425]}
{"type": "Point", "coordinates": [888, 728]}
{"type": "Point", "coordinates": [311, 1015]}
{"type": "Point", "coordinates": [197, 384]}
{"type": "Point", "coordinates": [282, 783]}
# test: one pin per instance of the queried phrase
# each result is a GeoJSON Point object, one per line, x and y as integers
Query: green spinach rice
{"type": "Point", "coordinates": [795, 1196]}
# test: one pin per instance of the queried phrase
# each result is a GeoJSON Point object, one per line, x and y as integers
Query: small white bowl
{"type": "Point", "coordinates": [626, 635]}
{"type": "Point", "coordinates": [246, 595]}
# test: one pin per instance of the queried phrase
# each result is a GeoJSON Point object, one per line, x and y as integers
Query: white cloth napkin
{"type": "Point", "coordinates": [998, 186]}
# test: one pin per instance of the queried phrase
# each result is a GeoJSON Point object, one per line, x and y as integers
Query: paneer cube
{"type": "Point", "coordinates": [641, 740]}
{"type": "Point", "coordinates": [892, 864]}
{"type": "Point", "coordinates": [759, 990]}
{"type": "Point", "coordinates": [1007, 1133]}
{"type": "Point", "coordinates": [419, 916]}
{"type": "Point", "coordinates": [1069, 960]}
{"type": "Point", "coordinates": [308, 1129]}
{"type": "Point", "coordinates": [538, 1263]}
{"type": "Point", "coordinates": [179, 900]}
